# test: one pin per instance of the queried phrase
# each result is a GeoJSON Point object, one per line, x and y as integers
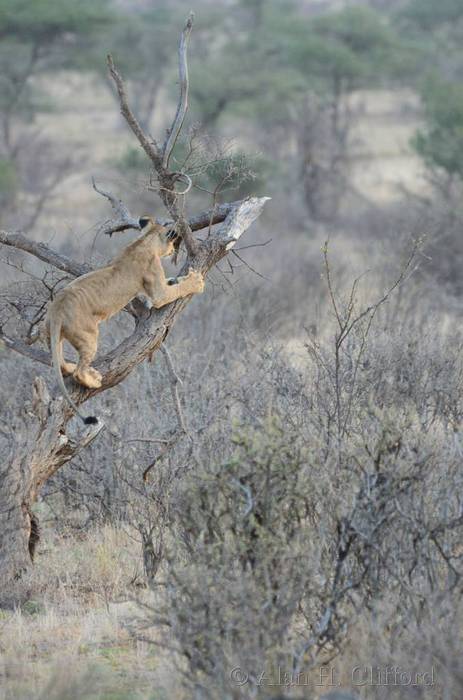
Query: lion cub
{"type": "Point", "coordinates": [77, 310]}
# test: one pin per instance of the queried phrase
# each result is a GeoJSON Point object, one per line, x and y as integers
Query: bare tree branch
{"type": "Point", "coordinates": [41, 251]}
{"type": "Point", "coordinates": [212, 216]}
{"type": "Point", "coordinates": [182, 106]}
{"type": "Point", "coordinates": [123, 219]}
{"type": "Point", "coordinates": [149, 146]}
{"type": "Point", "coordinates": [166, 179]}
{"type": "Point", "coordinates": [239, 219]}
{"type": "Point", "coordinates": [22, 348]}
{"type": "Point", "coordinates": [175, 381]}
{"type": "Point", "coordinates": [44, 253]}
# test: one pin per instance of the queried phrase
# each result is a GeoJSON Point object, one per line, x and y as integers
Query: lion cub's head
{"type": "Point", "coordinates": [165, 235]}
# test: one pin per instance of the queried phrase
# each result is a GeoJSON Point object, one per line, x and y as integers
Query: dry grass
{"type": "Point", "coordinates": [70, 638]}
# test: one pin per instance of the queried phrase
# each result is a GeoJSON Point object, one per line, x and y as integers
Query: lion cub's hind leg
{"type": "Point", "coordinates": [42, 333]}
{"type": "Point", "coordinates": [86, 343]}
{"type": "Point", "coordinates": [67, 368]}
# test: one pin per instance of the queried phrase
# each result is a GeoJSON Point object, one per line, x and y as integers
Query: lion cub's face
{"type": "Point", "coordinates": [165, 237]}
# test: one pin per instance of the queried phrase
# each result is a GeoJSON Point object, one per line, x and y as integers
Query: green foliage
{"type": "Point", "coordinates": [8, 180]}
{"type": "Point", "coordinates": [236, 173]}
{"type": "Point", "coordinates": [244, 514]}
{"type": "Point", "coordinates": [249, 74]}
{"type": "Point", "coordinates": [361, 30]}
{"type": "Point", "coordinates": [39, 35]}
{"type": "Point", "coordinates": [17, 93]}
{"type": "Point", "coordinates": [440, 143]}
{"type": "Point", "coordinates": [437, 29]}
{"type": "Point", "coordinates": [141, 43]}
{"type": "Point", "coordinates": [43, 21]}
{"type": "Point", "coordinates": [273, 64]}
{"type": "Point", "coordinates": [430, 14]}
{"type": "Point", "coordinates": [132, 159]}
{"type": "Point", "coordinates": [32, 607]}
{"type": "Point", "coordinates": [244, 79]}
{"type": "Point", "coordinates": [233, 574]}
{"type": "Point", "coordinates": [355, 46]}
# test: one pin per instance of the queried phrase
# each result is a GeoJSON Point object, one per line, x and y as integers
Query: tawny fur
{"type": "Point", "coordinates": [77, 310]}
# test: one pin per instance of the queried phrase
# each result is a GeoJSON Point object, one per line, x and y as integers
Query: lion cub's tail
{"type": "Point", "coordinates": [55, 333]}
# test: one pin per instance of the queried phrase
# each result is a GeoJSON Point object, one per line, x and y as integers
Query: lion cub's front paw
{"type": "Point", "coordinates": [196, 281]}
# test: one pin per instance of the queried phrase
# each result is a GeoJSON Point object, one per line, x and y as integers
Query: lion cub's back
{"type": "Point", "coordinates": [98, 294]}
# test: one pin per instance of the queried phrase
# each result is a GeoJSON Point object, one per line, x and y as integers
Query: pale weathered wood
{"type": "Point", "coordinates": [239, 219]}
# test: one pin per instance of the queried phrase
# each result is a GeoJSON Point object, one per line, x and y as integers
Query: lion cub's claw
{"type": "Point", "coordinates": [196, 281]}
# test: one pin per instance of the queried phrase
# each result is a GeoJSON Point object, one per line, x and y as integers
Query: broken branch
{"type": "Point", "coordinates": [124, 219]}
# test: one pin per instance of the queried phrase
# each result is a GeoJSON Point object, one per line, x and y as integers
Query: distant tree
{"type": "Point", "coordinates": [248, 74]}
{"type": "Point", "coordinates": [293, 76]}
{"type": "Point", "coordinates": [440, 142]}
{"type": "Point", "coordinates": [141, 42]}
{"type": "Point", "coordinates": [343, 52]}
{"type": "Point", "coordinates": [435, 31]}
{"type": "Point", "coordinates": [37, 36]}
{"type": "Point", "coordinates": [428, 15]}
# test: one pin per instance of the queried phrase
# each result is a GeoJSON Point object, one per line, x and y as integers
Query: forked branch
{"type": "Point", "coordinates": [160, 157]}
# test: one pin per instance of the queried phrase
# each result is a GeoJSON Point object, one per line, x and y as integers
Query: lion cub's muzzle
{"type": "Point", "coordinates": [172, 235]}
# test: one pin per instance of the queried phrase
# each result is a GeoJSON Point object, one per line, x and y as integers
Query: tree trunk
{"type": "Point", "coordinates": [43, 441]}
{"type": "Point", "coordinates": [40, 447]}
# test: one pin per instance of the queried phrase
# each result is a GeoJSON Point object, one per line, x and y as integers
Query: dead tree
{"type": "Point", "coordinates": [43, 441]}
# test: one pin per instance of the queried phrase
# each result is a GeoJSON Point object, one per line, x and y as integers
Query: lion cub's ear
{"type": "Point", "coordinates": [144, 221]}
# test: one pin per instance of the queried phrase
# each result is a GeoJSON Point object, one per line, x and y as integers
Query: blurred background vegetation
{"type": "Point", "coordinates": [314, 510]}
{"type": "Point", "coordinates": [289, 81]}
